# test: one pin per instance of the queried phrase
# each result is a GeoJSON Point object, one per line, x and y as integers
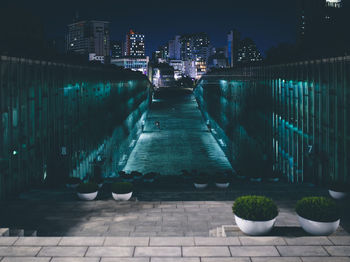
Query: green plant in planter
{"type": "Point", "coordinates": [202, 178]}
{"type": "Point", "coordinates": [320, 209]}
{"type": "Point", "coordinates": [73, 180]}
{"type": "Point", "coordinates": [122, 188]}
{"type": "Point", "coordinates": [255, 208]}
{"type": "Point", "coordinates": [86, 188]}
{"type": "Point", "coordinates": [249, 160]}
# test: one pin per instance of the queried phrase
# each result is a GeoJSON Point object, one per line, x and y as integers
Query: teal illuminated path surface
{"type": "Point", "coordinates": [182, 142]}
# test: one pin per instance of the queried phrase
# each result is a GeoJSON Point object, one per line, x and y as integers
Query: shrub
{"type": "Point", "coordinates": [122, 188]}
{"type": "Point", "coordinates": [202, 178]}
{"type": "Point", "coordinates": [320, 209]}
{"type": "Point", "coordinates": [255, 208]}
{"type": "Point", "coordinates": [73, 180]}
{"type": "Point", "coordinates": [86, 188]}
{"type": "Point", "coordinates": [221, 178]}
{"type": "Point", "coordinates": [339, 187]}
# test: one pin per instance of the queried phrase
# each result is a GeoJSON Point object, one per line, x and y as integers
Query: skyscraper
{"type": "Point", "coordinates": [321, 25]}
{"type": "Point", "coordinates": [175, 48]}
{"type": "Point", "coordinates": [134, 44]}
{"type": "Point", "coordinates": [233, 42]}
{"type": "Point", "coordinates": [195, 51]}
{"type": "Point", "coordinates": [89, 37]}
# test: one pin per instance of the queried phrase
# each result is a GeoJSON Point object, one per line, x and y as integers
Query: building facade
{"type": "Point", "coordinates": [116, 49]}
{"type": "Point", "coordinates": [134, 44]}
{"type": "Point", "coordinates": [134, 63]}
{"type": "Point", "coordinates": [89, 37]}
{"type": "Point", "coordinates": [175, 48]}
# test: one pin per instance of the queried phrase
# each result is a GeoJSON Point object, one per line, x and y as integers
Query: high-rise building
{"type": "Point", "coordinates": [233, 42]}
{"type": "Point", "coordinates": [175, 48]}
{"type": "Point", "coordinates": [195, 48]}
{"type": "Point", "coordinates": [134, 44]}
{"type": "Point", "coordinates": [116, 49]}
{"type": "Point", "coordinates": [248, 53]}
{"type": "Point", "coordinates": [320, 25]}
{"type": "Point", "coordinates": [160, 55]}
{"type": "Point", "coordinates": [89, 37]}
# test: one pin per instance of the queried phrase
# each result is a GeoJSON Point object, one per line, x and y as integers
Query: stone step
{"type": "Point", "coordinates": [4, 232]}
{"type": "Point", "coordinates": [14, 232]}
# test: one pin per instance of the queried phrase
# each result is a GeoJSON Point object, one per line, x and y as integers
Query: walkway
{"type": "Point", "coordinates": [184, 249]}
{"type": "Point", "coordinates": [182, 142]}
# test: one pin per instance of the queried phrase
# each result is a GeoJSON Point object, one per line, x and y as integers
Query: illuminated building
{"type": "Point", "coordinates": [175, 48]}
{"type": "Point", "coordinates": [132, 62]}
{"type": "Point", "coordinates": [248, 53]}
{"type": "Point", "coordinates": [134, 44]}
{"type": "Point", "coordinates": [195, 51]}
{"type": "Point", "coordinates": [116, 49]}
{"type": "Point", "coordinates": [320, 26]}
{"type": "Point", "coordinates": [160, 55]}
{"type": "Point", "coordinates": [179, 68]}
{"type": "Point", "coordinates": [89, 37]}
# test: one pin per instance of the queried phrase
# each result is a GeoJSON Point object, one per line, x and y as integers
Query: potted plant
{"type": "Point", "coordinates": [122, 190]}
{"type": "Point", "coordinates": [318, 215]}
{"type": "Point", "coordinates": [255, 215]}
{"type": "Point", "coordinates": [222, 181]}
{"type": "Point", "coordinates": [73, 182]}
{"type": "Point", "coordinates": [149, 177]}
{"type": "Point", "coordinates": [338, 190]}
{"type": "Point", "coordinates": [201, 181]}
{"type": "Point", "coordinates": [87, 191]}
{"type": "Point", "coordinates": [136, 174]}
{"type": "Point", "coordinates": [127, 177]}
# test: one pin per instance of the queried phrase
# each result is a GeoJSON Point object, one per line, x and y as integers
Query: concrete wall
{"type": "Point", "coordinates": [56, 119]}
{"type": "Point", "coordinates": [302, 111]}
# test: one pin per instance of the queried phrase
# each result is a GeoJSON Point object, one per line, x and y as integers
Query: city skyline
{"type": "Point", "coordinates": [267, 23]}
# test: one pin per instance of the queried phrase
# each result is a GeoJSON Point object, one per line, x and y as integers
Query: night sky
{"type": "Point", "coordinates": [267, 22]}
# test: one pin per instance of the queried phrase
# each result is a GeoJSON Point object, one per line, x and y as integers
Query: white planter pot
{"type": "Point", "coordinates": [88, 196]}
{"type": "Point", "coordinates": [122, 197]}
{"type": "Point", "coordinates": [222, 185]}
{"type": "Point", "coordinates": [318, 228]}
{"type": "Point", "coordinates": [200, 186]}
{"type": "Point", "coordinates": [255, 228]}
{"type": "Point", "coordinates": [337, 195]}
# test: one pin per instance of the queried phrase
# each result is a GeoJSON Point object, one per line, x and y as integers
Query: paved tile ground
{"type": "Point", "coordinates": [182, 141]}
{"type": "Point", "coordinates": [180, 249]}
